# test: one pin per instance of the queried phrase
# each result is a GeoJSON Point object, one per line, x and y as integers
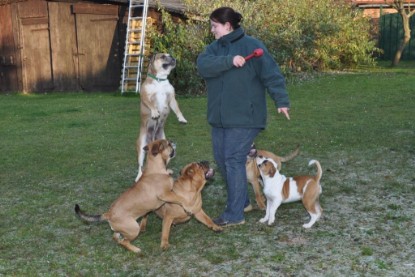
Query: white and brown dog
{"type": "Point", "coordinates": [279, 189]}
{"type": "Point", "coordinates": [253, 175]}
{"type": "Point", "coordinates": [157, 99]}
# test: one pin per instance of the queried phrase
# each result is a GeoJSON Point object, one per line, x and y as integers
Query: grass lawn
{"type": "Point", "coordinates": [60, 149]}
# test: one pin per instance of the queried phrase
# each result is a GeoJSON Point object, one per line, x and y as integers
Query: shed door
{"type": "Point", "coordinates": [63, 44]}
{"type": "Point", "coordinates": [96, 29]}
{"type": "Point", "coordinates": [36, 61]}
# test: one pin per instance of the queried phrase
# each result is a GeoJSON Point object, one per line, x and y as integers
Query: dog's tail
{"type": "Point", "coordinates": [88, 218]}
{"type": "Point", "coordinates": [319, 170]}
{"type": "Point", "coordinates": [292, 155]}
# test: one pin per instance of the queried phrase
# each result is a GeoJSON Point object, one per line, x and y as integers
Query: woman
{"type": "Point", "coordinates": [237, 103]}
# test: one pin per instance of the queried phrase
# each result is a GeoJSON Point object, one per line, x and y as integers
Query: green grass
{"type": "Point", "coordinates": [60, 149]}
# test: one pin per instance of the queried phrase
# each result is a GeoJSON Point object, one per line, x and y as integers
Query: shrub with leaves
{"type": "Point", "coordinates": [302, 36]}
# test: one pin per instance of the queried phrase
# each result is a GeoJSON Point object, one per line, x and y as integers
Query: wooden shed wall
{"type": "Point", "coordinates": [9, 56]}
{"type": "Point", "coordinates": [61, 46]}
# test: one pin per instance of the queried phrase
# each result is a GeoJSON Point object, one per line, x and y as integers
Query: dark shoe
{"type": "Point", "coordinates": [226, 223]}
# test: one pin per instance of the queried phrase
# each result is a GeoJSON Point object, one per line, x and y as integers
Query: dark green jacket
{"type": "Point", "coordinates": [236, 96]}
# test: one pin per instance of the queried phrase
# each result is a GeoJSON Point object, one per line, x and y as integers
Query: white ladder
{"type": "Point", "coordinates": [134, 46]}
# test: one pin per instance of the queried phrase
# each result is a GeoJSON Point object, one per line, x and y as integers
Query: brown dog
{"type": "Point", "coordinates": [152, 190]}
{"type": "Point", "coordinates": [157, 97]}
{"type": "Point", "coordinates": [254, 176]}
{"type": "Point", "coordinates": [189, 186]}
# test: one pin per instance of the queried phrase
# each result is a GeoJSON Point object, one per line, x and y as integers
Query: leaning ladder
{"type": "Point", "coordinates": [134, 46]}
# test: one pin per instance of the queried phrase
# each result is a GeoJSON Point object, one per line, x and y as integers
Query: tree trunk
{"type": "Point", "coordinates": [406, 37]}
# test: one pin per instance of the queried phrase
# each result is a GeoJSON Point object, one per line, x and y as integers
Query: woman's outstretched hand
{"type": "Point", "coordinates": [284, 110]}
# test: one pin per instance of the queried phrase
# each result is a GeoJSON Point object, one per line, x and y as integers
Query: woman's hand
{"type": "Point", "coordinates": [284, 110]}
{"type": "Point", "coordinates": [238, 61]}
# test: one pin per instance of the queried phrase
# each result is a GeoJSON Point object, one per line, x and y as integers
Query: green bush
{"type": "Point", "coordinates": [303, 36]}
{"type": "Point", "coordinates": [184, 41]}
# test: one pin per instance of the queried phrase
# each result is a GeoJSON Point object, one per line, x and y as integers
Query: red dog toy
{"type": "Point", "coordinates": [257, 53]}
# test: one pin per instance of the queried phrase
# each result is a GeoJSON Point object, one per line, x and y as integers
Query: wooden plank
{"type": "Point", "coordinates": [18, 42]}
{"type": "Point", "coordinates": [8, 63]}
{"type": "Point", "coordinates": [83, 8]}
{"type": "Point", "coordinates": [34, 21]}
{"type": "Point", "coordinates": [98, 49]}
{"type": "Point", "coordinates": [35, 9]}
{"type": "Point", "coordinates": [63, 47]}
{"type": "Point", "coordinates": [36, 62]}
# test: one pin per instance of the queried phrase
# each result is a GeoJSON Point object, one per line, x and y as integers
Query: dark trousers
{"type": "Point", "coordinates": [230, 149]}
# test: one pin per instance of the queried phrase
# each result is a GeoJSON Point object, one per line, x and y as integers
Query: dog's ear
{"type": "Point", "coordinates": [190, 171]}
{"type": "Point", "coordinates": [150, 63]}
{"type": "Point", "coordinates": [156, 148]}
{"type": "Point", "coordinates": [272, 169]}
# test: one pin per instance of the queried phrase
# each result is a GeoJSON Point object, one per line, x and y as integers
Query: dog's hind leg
{"type": "Point", "coordinates": [313, 219]}
{"type": "Point", "coordinates": [159, 131]}
{"type": "Point", "coordinates": [315, 212]}
{"type": "Point", "coordinates": [129, 232]}
{"type": "Point", "coordinates": [143, 223]}
{"type": "Point", "coordinates": [141, 142]}
{"type": "Point", "coordinates": [125, 243]}
{"type": "Point", "coordinates": [312, 204]}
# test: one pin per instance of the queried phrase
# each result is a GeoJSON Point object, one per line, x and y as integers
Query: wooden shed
{"type": "Point", "coordinates": [64, 45]}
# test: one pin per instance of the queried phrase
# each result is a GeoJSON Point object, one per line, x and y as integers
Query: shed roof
{"type": "Point", "coordinates": [170, 5]}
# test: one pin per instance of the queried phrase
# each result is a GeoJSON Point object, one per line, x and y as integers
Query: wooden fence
{"type": "Point", "coordinates": [391, 35]}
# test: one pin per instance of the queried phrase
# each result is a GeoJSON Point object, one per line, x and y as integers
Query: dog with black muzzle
{"type": "Point", "coordinates": [189, 185]}
{"type": "Point", "coordinates": [157, 99]}
{"type": "Point", "coordinates": [154, 189]}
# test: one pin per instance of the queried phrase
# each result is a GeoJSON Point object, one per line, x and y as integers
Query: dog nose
{"type": "Point", "coordinates": [204, 163]}
{"type": "Point", "coordinates": [173, 145]}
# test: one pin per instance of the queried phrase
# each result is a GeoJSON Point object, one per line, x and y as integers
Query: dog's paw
{"type": "Point", "coordinates": [170, 171]}
{"type": "Point", "coordinates": [155, 114]}
{"type": "Point", "coordinates": [217, 229]}
{"type": "Point", "coordinates": [188, 211]}
{"type": "Point", "coordinates": [307, 226]}
{"type": "Point", "coordinates": [164, 246]}
{"type": "Point", "coordinates": [182, 120]}
{"type": "Point", "coordinates": [263, 220]}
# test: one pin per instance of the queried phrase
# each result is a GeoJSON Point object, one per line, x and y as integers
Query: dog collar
{"type": "Point", "coordinates": [155, 77]}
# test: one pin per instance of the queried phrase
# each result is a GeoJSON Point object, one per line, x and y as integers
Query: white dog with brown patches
{"type": "Point", "coordinates": [279, 189]}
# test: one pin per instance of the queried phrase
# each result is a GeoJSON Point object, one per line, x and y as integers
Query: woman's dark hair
{"type": "Point", "coordinates": [226, 14]}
